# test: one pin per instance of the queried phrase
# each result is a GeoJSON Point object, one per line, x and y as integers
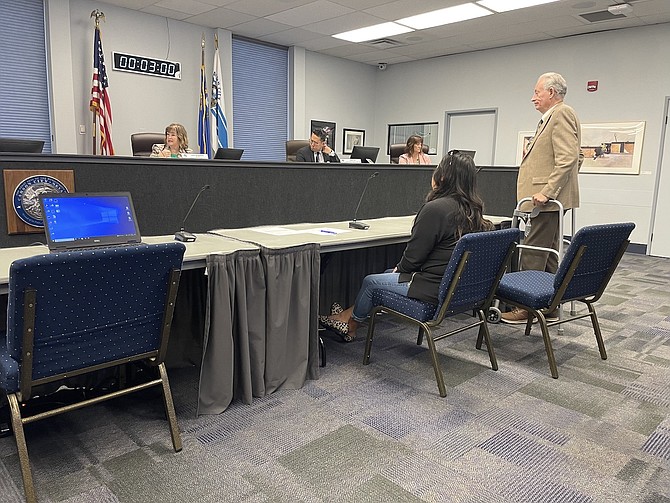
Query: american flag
{"type": "Point", "coordinates": [204, 131]}
{"type": "Point", "coordinates": [100, 104]}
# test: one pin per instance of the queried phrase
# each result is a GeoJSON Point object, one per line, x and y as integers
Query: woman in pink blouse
{"type": "Point", "coordinates": [414, 152]}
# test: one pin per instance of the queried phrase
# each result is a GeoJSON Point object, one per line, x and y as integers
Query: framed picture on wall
{"type": "Point", "coordinates": [612, 147]}
{"type": "Point", "coordinates": [398, 133]}
{"type": "Point", "coordinates": [325, 124]}
{"type": "Point", "coordinates": [522, 145]}
{"type": "Point", "coordinates": [352, 137]}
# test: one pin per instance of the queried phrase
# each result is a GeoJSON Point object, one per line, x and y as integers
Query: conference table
{"type": "Point", "coordinates": [262, 300]}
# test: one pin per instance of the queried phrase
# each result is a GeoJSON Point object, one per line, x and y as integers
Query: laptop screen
{"type": "Point", "coordinates": [81, 220]}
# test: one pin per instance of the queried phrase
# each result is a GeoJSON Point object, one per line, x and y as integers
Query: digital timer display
{"type": "Point", "coordinates": [147, 66]}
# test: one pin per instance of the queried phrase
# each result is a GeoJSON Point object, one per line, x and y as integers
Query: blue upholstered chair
{"type": "Point", "coordinates": [582, 275]}
{"type": "Point", "coordinates": [72, 313]}
{"type": "Point", "coordinates": [469, 283]}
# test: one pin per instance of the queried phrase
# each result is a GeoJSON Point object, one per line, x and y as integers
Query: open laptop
{"type": "Point", "coordinates": [232, 154]}
{"type": "Point", "coordinates": [89, 220]}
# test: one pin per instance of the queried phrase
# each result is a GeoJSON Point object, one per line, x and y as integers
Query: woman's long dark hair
{"type": "Point", "coordinates": [456, 176]}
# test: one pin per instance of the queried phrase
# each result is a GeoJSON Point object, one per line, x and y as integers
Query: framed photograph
{"type": "Point", "coordinates": [352, 137]}
{"type": "Point", "coordinates": [398, 133]}
{"type": "Point", "coordinates": [322, 124]}
{"type": "Point", "coordinates": [522, 145]}
{"type": "Point", "coordinates": [614, 148]}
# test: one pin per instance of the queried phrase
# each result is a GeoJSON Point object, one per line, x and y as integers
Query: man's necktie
{"type": "Point", "coordinates": [317, 157]}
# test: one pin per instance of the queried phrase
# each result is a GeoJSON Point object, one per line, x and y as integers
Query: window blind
{"type": "Point", "coordinates": [24, 97]}
{"type": "Point", "coordinates": [260, 99]}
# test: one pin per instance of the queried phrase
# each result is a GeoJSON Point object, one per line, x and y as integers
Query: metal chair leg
{"type": "Point", "coordinates": [371, 331]}
{"type": "Point", "coordinates": [596, 330]}
{"type": "Point", "coordinates": [547, 345]}
{"type": "Point", "coordinates": [169, 409]}
{"type": "Point", "coordinates": [24, 461]}
{"type": "Point", "coordinates": [436, 364]}
{"type": "Point", "coordinates": [484, 333]}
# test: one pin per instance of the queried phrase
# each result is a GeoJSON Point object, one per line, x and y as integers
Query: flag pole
{"type": "Point", "coordinates": [97, 14]}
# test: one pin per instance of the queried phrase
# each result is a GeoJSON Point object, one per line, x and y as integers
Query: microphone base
{"type": "Point", "coordinates": [355, 224]}
{"type": "Point", "coordinates": [184, 236]}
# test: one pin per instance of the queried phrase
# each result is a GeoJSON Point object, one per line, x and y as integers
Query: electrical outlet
{"type": "Point", "coordinates": [82, 129]}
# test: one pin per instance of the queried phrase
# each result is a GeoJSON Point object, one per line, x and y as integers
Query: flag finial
{"type": "Point", "coordinates": [98, 15]}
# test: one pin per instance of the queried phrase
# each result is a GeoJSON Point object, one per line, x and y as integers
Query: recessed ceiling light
{"type": "Point", "coordinates": [373, 32]}
{"type": "Point", "coordinates": [449, 15]}
{"type": "Point", "coordinates": [505, 5]}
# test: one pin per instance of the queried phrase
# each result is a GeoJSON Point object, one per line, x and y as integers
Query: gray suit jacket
{"type": "Point", "coordinates": [553, 159]}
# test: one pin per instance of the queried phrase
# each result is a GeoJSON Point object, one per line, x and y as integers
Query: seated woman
{"type": "Point", "coordinates": [414, 152]}
{"type": "Point", "coordinates": [176, 142]}
{"type": "Point", "coordinates": [452, 208]}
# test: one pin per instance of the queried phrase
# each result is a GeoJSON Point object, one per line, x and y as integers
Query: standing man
{"type": "Point", "coordinates": [548, 171]}
{"type": "Point", "coordinates": [318, 150]}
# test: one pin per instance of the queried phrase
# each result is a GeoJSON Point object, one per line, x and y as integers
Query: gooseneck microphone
{"type": "Point", "coordinates": [183, 235]}
{"type": "Point", "coordinates": [355, 224]}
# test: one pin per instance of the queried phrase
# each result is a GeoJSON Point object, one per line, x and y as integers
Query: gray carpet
{"type": "Point", "coordinates": [381, 433]}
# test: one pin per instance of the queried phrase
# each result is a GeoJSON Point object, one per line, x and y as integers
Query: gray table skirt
{"type": "Point", "coordinates": [260, 324]}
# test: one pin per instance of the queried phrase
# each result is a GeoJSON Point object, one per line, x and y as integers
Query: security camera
{"type": "Point", "coordinates": [623, 9]}
{"type": "Point", "coordinates": [382, 66]}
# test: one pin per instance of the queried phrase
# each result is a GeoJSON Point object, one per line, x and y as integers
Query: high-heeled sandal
{"type": "Point", "coordinates": [335, 309]}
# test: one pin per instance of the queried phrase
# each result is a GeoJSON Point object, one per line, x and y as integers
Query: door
{"type": "Point", "coordinates": [472, 130]}
{"type": "Point", "coordinates": [660, 234]}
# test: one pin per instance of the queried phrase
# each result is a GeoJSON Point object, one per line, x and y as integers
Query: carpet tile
{"type": "Point", "coordinates": [381, 433]}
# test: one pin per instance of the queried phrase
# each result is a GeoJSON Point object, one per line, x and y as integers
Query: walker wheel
{"type": "Point", "coordinates": [493, 315]}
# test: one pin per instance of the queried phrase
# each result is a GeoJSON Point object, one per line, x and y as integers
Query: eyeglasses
{"type": "Point", "coordinates": [315, 142]}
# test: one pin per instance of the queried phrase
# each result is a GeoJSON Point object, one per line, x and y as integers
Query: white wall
{"type": "Point", "coordinates": [139, 102]}
{"type": "Point", "coordinates": [343, 92]}
{"type": "Point", "coordinates": [629, 65]}
{"type": "Point", "coordinates": [633, 82]}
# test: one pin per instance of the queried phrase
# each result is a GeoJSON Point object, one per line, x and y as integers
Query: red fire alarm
{"type": "Point", "coordinates": [592, 86]}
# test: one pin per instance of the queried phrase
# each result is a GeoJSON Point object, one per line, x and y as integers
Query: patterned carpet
{"type": "Point", "coordinates": [381, 433]}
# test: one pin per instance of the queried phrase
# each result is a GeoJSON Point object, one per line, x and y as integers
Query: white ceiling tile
{"type": "Point", "coordinates": [310, 13]}
{"type": "Point", "coordinates": [221, 18]}
{"type": "Point", "coordinates": [309, 23]}
{"type": "Point", "coordinates": [188, 6]}
{"type": "Point", "coordinates": [265, 7]}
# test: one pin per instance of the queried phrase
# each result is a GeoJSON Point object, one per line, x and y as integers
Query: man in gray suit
{"type": "Point", "coordinates": [548, 171]}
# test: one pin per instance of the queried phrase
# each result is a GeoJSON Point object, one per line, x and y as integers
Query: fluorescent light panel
{"type": "Point", "coordinates": [373, 32]}
{"type": "Point", "coordinates": [441, 17]}
{"type": "Point", "coordinates": [506, 5]}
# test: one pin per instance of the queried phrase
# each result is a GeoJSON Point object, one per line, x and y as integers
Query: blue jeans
{"type": "Point", "coordinates": [384, 281]}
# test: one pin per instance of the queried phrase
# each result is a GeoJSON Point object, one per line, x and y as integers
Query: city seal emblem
{"type": "Point", "coordinates": [26, 197]}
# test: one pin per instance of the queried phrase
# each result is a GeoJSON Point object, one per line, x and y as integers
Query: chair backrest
{"type": "Point", "coordinates": [92, 307]}
{"type": "Point", "coordinates": [398, 149]}
{"type": "Point", "coordinates": [488, 254]}
{"type": "Point", "coordinates": [603, 247]}
{"type": "Point", "coordinates": [141, 143]}
{"type": "Point", "coordinates": [292, 147]}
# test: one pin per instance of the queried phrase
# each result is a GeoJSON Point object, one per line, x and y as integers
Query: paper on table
{"type": "Point", "coordinates": [277, 231]}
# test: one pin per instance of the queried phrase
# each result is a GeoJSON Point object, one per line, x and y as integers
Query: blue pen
{"type": "Point", "coordinates": [327, 232]}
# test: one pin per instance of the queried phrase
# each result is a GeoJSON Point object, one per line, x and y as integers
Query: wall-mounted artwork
{"type": "Point", "coordinates": [331, 133]}
{"type": "Point", "coordinates": [614, 147]}
{"type": "Point", "coordinates": [398, 133]}
{"type": "Point", "coordinates": [522, 145]}
{"type": "Point", "coordinates": [352, 137]}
